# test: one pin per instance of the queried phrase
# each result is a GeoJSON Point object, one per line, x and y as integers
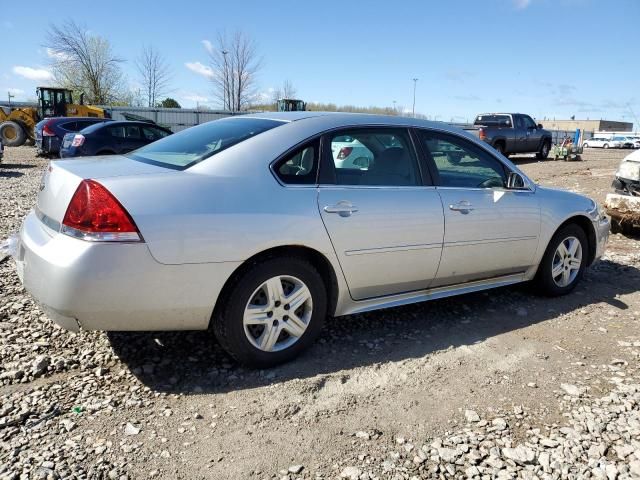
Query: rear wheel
{"type": "Point", "coordinates": [273, 311]}
{"type": "Point", "coordinates": [544, 150]}
{"type": "Point", "coordinates": [606, 145]}
{"type": "Point", "coordinates": [12, 134]}
{"type": "Point", "coordinates": [585, 145]}
{"type": "Point", "coordinates": [499, 146]}
{"type": "Point", "coordinates": [564, 261]}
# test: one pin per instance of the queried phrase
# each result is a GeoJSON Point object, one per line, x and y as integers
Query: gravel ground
{"type": "Point", "coordinates": [500, 384]}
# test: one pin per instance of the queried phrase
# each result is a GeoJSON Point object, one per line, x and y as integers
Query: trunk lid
{"type": "Point", "coordinates": [62, 177]}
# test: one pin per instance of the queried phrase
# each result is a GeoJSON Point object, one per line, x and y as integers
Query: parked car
{"type": "Point", "coordinates": [50, 131]}
{"type": "Point", "coordinates": [513, 133]}
{"type": "Point", "coordinates": [244, 226]}
{"type": "Point", "coordinates": [111, 138]}
{"type": "Point", "coordinates": [623, 206]}
{"type": "Point", "coordinates": [1, 150]}
{"type": "Point", "coordinates": [602, 142]}
{"type": "Point", "coordinates": [349, 152]}
{"type": "Point", "coordinates": [627, 142]}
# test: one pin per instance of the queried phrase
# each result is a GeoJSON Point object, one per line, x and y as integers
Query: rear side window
{"type": "Point", "coordinates": [117, 131]}
{"type": "Point", "coordinates": [193, 145]}
{"type": "Point", "coordinates": [153, 134]}
{"type": "Point", "coordinates": [374, 156]}
{"type": "Point", "coordinates": [301, 166]}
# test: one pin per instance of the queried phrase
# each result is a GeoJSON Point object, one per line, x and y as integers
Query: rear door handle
{"type": "Point", "coordinates": [462, 206]}
{"type": "Point", "coordinates": [341, 208]}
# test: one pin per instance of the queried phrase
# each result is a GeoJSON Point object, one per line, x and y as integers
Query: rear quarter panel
{"type": "Point", "coordinates": [198, 218]}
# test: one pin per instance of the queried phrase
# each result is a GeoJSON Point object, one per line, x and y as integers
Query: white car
{"type": "Point", "coordinates": [602, 142]}
{"type": "Point", "coordinates": [350, 153]}
{"type": "Point", "coordinates": [632, 142]}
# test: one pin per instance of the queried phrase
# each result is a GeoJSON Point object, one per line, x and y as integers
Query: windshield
{"type": "Point", "coordinates": [188, 147]}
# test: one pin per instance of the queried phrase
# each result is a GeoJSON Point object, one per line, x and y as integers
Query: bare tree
{"type": "Point", "coordinates": [85, 63]}
{"type": "Point", "coordinates": [286, 91]}
{"type": "Point", "coordinates": [235, 63]}
{"type": "Point", "coordinates": [155, 74]}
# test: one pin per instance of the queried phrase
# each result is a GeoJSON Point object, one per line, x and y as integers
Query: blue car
{"type": "Point", "coordinates": [51, 131]}
{"type": "Point", "coordinates": [111, 138]}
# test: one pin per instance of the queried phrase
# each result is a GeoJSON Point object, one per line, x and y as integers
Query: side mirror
{"type": "Point", "coordinates": [516, 181]}
{"type": "Point", "coordinates": [540, 126]}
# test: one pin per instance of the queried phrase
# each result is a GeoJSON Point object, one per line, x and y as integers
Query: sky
{"type": "Point", "coordinates": [547, 58]}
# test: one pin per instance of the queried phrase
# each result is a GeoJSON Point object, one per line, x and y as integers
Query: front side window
{"type": "Point", "coordinates": [462, 164]}
{"type": "Point", "coordinates": [528, 122]}
{"type": "Point", "coordinates": [301, 166]}
{"type": "Point", "coordinates": [193, 145]}
{"type": "Point", "coordinates": [374, 157]}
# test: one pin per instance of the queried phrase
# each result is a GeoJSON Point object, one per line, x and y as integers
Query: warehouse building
{"type": "Point", "coordinates": [588, 125]}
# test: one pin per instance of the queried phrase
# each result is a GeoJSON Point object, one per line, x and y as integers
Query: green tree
{"type": "Point", "coordinates": [169, 103]}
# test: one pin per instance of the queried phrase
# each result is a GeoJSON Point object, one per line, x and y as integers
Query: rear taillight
{"type": "Point", "coordinates": [481, 134]}
{"type": "Point", "coordinates": [78, 140]}
{"type": "Point", "coordinates": [94, 214]}
{"type": "Point", "coordinates": [344, 152]}
{"type": "Point", "coordinates": [46, 130]}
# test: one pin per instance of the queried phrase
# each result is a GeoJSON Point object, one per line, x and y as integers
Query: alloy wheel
{"type": "Point", "coordinates": [278, 313]}
{"type": "Point", "coordinates": [566, 262]}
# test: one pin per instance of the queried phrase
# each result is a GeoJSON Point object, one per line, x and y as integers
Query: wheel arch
{"type": "Point", "coordinates": [586, 225]}
{"type": "Point", "coordinates": [317, 259]}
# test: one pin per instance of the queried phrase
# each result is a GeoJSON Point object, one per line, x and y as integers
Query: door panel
{"type": "Point", "coordinates": [388, 240]}
{"type": "Point", "coordinates": [520, 134]}
{"type": "Point", "coordinates": [497, 235]}
{"type": "Point", "coordinates": [489, 230]}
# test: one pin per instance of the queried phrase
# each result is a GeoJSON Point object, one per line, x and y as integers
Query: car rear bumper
{"type": "Point", "coordinates": [114, 286]}
{"type": "Point", "coordinates": [48, 144]}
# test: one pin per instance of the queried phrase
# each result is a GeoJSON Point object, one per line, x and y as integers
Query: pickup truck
{"type": "Point", "coordinates": [513, 133]}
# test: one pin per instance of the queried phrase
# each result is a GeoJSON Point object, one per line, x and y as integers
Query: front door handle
{"type": "Point", "coordinates": [343, 209]}
{"type": "Point", "coordinates": [462, 206]}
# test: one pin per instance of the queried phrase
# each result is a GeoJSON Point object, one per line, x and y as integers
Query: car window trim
{"type": "Point", "coordinates": [275, 163]}
{"type": "Point", "coordinates": [327, 174]}
{"type": "Point", "coordinates": [432, 164]}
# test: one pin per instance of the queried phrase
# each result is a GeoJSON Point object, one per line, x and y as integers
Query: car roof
{"type": "Point", "coordinates": [61, 119]}
{"type": "Point", "coordinates": [344, 119]}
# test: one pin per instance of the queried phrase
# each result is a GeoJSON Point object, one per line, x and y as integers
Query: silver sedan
{"type": "Point", "coordinates": [249, 226]}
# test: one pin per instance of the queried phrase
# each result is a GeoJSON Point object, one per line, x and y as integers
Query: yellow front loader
{"type": "Point", "coordinates": [17, 125]}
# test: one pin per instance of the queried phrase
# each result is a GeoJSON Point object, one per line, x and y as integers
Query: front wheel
{"type": "Point", "coordinates": [564, 261]}
{"type": "Point", "coordinates": [499, 147]}
{"type": "Point", "coordinates": [585, 145]}
{"type": "Point", "coordinates": [274, 310]}
{"type": "Point", "coordinates": [606, 145]}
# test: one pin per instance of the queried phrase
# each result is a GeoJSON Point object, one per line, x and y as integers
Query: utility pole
{"type": "Point", "coordinates": [10, 97]}
{"type": "Point", "coordinates": [394, 108]}
{"type": "Point", "coordinates": [415, 81]}
{"type": "Point", "coordinates": [226, 80]}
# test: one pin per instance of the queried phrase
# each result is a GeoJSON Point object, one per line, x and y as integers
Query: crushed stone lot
{"type": "Point", "coordinates": [499, 384]}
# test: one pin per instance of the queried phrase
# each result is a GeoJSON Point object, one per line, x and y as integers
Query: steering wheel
{"type": "Point", "coordinates": [492, 182]}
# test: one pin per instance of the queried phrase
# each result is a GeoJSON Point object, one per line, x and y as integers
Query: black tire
{"type": "Point", "coordinates": [606, 145]}
{"type": "Point", "coordinates": [12, 134]}
{"type": "Point", "coordinates": [585, 145]}
{"type": "Point", "coordinates": [544, 150]}
{"type": "Point", "coordinates": [543, 280]}
{"type": "Point", "coordinates": [227, 321]}
{"type": "Point", "coordinates": [499, 146]}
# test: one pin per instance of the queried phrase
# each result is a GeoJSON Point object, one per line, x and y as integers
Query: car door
{"type": "Point", "coordinates": [384, 218]}
{"type": "Point", "coordinates": [490, 231]}
{"type": "Point", "coordinates": [534, 134]}
{"type": "Point", "coordinates": [520, 135]}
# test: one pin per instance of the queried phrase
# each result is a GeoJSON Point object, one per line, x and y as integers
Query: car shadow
{"type": "Point", "coordinates": [10, 174]}
{"type": "Point", "coordinates": [525, 160]}
{"type": "Point", "coordinates": [17, 166]}
{"type": "Point", "coordinates": [193, 363]}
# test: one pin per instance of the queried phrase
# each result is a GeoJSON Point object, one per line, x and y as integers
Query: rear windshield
{"type": "Point", "coordinates": [188, 147]}
{"type": "Point", "coordinates": [493, 120]}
